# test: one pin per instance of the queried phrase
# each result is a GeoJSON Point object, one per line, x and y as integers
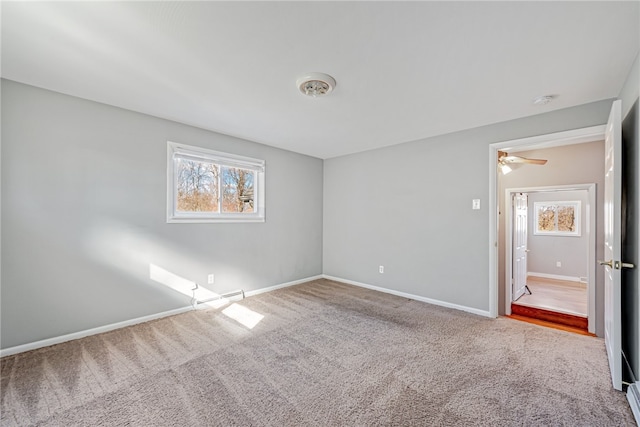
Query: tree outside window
{"type": "Point", "coordinates": [208, 186]}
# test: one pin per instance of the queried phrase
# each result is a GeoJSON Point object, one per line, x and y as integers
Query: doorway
{"type": "Point", "coordinates": [550, 249]}
{"type": "Point", "coordinates": [498, 212]}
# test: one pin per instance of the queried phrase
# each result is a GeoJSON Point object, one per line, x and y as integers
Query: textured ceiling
{"type": "Point", "coordinates": [404, 70]}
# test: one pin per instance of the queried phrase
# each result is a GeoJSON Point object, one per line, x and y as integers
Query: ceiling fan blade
{"type": "Point", "coordinates": [534, 161]}
{"type": "Point", "coordinates": [516, 159]}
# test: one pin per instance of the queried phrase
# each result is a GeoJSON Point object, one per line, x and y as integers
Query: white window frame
{"type": "Point", "coordinates": [577, 211]}
{"type": "Point", "coordinates": [221, 159]}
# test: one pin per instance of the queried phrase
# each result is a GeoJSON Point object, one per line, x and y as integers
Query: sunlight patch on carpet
{"type": "Point", "coordinates": [241, 314]}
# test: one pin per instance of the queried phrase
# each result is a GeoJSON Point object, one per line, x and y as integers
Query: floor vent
{"type": "Point", "coordinates": [228, 297]}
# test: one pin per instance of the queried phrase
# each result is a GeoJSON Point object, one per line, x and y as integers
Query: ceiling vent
{"type": "Point", "coordinates": [316, 84]}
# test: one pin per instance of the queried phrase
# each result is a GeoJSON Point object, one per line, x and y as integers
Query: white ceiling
{"type": "Point", "coordinates": [404, 70]}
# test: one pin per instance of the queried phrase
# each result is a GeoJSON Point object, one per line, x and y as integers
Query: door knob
{"type": "Point", "coordinates": [618, 265]}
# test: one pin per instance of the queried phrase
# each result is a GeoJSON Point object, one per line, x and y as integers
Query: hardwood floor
{"type": "Point", "coordinates": [554, 325]}
{"type": "Point", "coordinates": [553, 303]}
{"type": "Point", "coordinates": [579, 322]}
{"type": "Point", "coordinates": [556, 295]}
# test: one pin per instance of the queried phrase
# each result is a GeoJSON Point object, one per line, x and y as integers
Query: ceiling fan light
{"type": "Point", "coordinates": [505, 169]}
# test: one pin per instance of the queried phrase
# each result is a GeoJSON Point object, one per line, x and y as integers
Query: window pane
{"type": "Point", "coordinates": [566, 218]}
{"type": "Point", "coordinates": [196, 185]}
{"type": "Point", "coordinates": [211, 186]}
{"type": "Point", "coordinates": [547, 218]}
{"type": "Point", "coordinates": [238, 191]}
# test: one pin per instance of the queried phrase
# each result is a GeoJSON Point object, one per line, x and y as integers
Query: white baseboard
{"type": "Point", "coordinates": [282, 285]}
{"type": "Point", "coordinates": [93, 331]}
{"type": "Point", "coordinates": [633, 396]}
{"type": "Point", "coordinates": [106, 328]}
{"type": "Point", "coordinates": [554, 276]}
{"type": "Point", "coordinates": [479, 312]}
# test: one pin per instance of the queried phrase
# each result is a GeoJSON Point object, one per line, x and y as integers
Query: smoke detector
{"type": "Point", "coordinates": [316, 84]}
{"type": "Point", "coordinates": [543, 100]}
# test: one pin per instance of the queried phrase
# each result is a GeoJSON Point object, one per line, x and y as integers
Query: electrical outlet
{"type": "Point", "coordinates": [475, 204]}
{"type": "Point", "coordinates": [381, 269]}
{"type": "Point", "coordinates": [558, 264]}
{"type": "Point", "coordinates": [210, 279]}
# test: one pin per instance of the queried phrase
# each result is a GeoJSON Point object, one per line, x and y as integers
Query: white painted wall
{"type": "Point", "coordinates": [631, 89]}
{"type": "Point", "coordinates": [84, 216]}
{"type": "Point", "coordinates": [545, 251]}
{"type": "Point", "coordinates": [408, 207]}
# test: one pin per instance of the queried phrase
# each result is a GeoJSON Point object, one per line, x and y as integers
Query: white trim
{"type": "Point", "coordinates": [493, 231]}
{"type": "Point", "coordinates": [589, 226]}
{"type": "Point", "coordinates": [479, 312]}
{"type": "Point", "coordinates": [221, 159]}
{"type": "Point", "coordinates": [93, 331]}
{"type": "Point", "coordinates": [558, 139]}
{"type": "Point", "coordinates": [106, 328]}
{"type": "Point", "coordinates": [282, 285]}
{"type": "Point", "coordinates": [577, 212]}
{"type": "Point", "coordinates": [633, 397]}
{"type": "Point", "coordinates": [576, 136]}
{"type": "Point", "coordinates": [554, 276]}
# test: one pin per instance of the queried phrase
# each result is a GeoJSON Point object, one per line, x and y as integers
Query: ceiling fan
{"type": "Point", "coordinates": [505, 161]}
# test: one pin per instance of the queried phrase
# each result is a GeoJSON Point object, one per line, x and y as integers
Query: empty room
{"type": "Point", "coordinates": [319, 213]}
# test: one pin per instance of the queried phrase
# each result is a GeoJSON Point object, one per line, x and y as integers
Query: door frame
{"type": "Point", "coordinates": [558, 139]}
{"type": "Point", "coordinates": [590, 225]}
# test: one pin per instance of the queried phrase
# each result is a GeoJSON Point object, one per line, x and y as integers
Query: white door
{"type": "Point", "coordinates": [519, 280]}
{"type": "Point", "coordinates": [612, 242]}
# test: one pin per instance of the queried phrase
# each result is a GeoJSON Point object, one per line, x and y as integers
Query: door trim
{"type": "Point", "coordinates": [590, 226]}
{"type": "Point", "coordinates": [576, 136]}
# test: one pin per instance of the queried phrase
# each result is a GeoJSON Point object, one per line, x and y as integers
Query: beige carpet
{"type": "Point", "coordinates": [324, 354]}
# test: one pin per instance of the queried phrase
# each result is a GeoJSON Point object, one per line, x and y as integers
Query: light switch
{"type": "Point", "coordinates": [475, 204]}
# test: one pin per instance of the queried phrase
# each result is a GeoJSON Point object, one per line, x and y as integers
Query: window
{"type": "Point", "coordinates": [557, 218]}
{"type": "Point", "coordinates": [209, 186]}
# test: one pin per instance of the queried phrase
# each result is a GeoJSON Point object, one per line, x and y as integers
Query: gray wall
{"type": "Point", "coordinates": [546, 250]}
{"type": "Point", "coordinates": [571, 164]}
{"type": "Point", "coordinates": [78, 235]}
{"type": "Point", "coordinates": [631, 88]}
{"type": "Point", "coordinates": [408, 207]}
{"type": "Point", "coordinates": [84, 216]}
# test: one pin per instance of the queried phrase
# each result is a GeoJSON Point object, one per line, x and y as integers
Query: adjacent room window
{"type": "Point", "coordinates": [208, 186]}
{"type": "Point", "coordinates": [557, 218]}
